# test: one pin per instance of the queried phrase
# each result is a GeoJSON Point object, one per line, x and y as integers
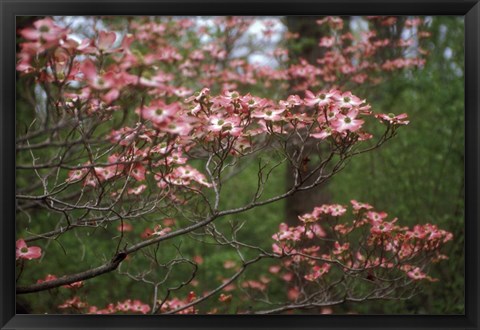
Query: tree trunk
{"type": "Point", "coordinates": [310, 33]}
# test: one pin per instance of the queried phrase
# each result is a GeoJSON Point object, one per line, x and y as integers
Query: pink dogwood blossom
{"type": "Point", "coordinates": [25, 252]}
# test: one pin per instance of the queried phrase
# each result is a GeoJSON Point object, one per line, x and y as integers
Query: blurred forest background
{"type": "Point", "coordinates": [417, 177]}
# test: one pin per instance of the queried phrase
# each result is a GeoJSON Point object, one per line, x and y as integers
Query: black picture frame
{"type": "Point", "coordinates": [470, 9]}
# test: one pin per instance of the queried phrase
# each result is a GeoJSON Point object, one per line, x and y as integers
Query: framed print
{"type": "Point", "coordinates": [249, 165]}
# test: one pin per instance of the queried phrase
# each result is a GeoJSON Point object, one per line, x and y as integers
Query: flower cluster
{"type": "Point", "coordinates": [349, 55]}
{"type": "Point", "coordinates": [368, 243]}
{"type": "Point", "coordinates": [229, 122]}
{"type": "Point", "coordinates": [50, 277]}
{"type": "Point", "coordinates": [175, 303]}
{"type": "Point", "coordinates": [135, 306]}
